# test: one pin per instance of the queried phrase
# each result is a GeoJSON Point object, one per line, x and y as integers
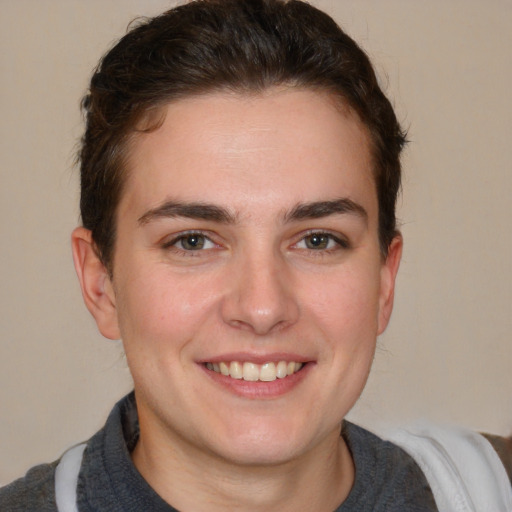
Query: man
{"type": "Point", "coordinates": [240, 168]}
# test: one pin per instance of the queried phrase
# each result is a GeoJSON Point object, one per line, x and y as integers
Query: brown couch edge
{"type": "Point", "coordinates": [503, 447]}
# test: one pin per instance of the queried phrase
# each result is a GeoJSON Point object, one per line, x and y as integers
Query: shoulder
{"type": "Point", "coordinates": [35, 491]}
{"type": "Point", "coordinates": [387, 478]}
{"type": "Point", "coordinates": [463, 467]}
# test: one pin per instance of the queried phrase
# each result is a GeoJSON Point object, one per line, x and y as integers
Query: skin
{"type": "Point", "coordinates": [275, 170]}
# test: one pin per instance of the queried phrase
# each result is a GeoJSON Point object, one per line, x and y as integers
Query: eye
{"type": "Point", "coordinates": [320, 241]}
{"type": "Point", "coordinates": [190, 242]}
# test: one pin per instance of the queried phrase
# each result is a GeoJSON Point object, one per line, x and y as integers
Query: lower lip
{"type": "Point", "coordinates": [259, 389]}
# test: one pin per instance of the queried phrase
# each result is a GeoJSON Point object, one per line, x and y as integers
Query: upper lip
{"type": "Point", "coordinates": [274, 357]}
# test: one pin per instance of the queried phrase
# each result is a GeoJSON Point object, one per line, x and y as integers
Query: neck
{"type": "Point", "coordinates": [190, 479]}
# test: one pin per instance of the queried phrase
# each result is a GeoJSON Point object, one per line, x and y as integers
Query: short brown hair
{"type": "Point", "coordinates": [236, 45]}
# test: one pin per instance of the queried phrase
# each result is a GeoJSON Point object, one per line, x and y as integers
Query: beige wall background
{"type": "Point", "coordinates": [447, 355]}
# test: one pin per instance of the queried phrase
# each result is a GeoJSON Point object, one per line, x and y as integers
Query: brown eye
{"type": "Point", "coordinates": [321, 241]}
{"type": "Point", "coordinates": [193, 242]}
{"type": "Point", "coordinates": [318, 241]}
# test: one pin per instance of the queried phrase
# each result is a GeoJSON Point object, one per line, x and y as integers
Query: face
{"type": "Point", "coordinates": [248, 285]}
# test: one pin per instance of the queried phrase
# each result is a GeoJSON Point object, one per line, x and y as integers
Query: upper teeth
{"type": "Point", "coordinates": [253, 372]}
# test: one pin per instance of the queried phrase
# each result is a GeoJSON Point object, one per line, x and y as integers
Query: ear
{"type": "Point", "coordinates": [388, 274]}
{"type": "Point", "coordinates": [97, 289]}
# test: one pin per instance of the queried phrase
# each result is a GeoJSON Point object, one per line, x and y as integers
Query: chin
{"type": "Point", "coordinates": [263, 444]}
{"type": "Point", "coordinates": [264, 453]}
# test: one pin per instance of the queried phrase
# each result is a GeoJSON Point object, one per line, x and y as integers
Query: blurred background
{"type": "Point", "coordinates": [447, 355]}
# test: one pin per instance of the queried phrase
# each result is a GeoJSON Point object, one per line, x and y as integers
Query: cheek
{"type": "Point", "coordinates": [347, 300]}
{"type": "Point", "coordinates": [163, 309]}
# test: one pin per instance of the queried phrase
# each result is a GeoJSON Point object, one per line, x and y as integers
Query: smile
{"type": "Point", "coordinates": [252, 372]}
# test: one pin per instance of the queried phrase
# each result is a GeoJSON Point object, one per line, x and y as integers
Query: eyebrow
{"type": "Point", "coordinates": [202, 211]}
{"type": "Point", "coordinates": [319, 209]}
{"type": "Point", "coordinates": [211, 212]}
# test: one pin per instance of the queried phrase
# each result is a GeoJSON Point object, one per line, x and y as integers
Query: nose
{"type": "Point", "coordinates": [261, 296]}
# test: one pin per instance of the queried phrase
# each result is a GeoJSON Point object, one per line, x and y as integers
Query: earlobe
{"type": "Point", "coordinates": [388, 275]}
{"type": "Point", "coordinates": [97, 290]}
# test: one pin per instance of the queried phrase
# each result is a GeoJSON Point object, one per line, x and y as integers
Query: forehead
{"type": "Point", "coordinates": [284, 145]}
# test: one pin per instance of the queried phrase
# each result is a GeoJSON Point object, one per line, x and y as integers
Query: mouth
{"type": "Point", "coordinates": [252, 372]}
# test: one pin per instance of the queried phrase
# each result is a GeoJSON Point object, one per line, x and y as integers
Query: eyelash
{"type": "Point", "coordinates": [340, 243]}
{"type": "Point", "coordinates": [172, 244]}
